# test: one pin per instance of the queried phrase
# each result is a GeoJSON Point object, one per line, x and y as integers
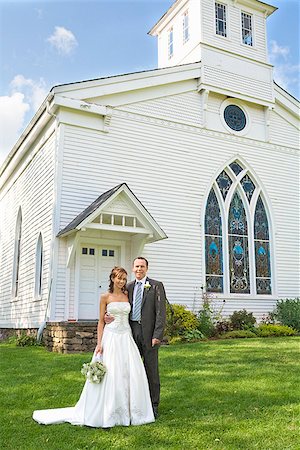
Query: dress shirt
{"type": "Point", "coordinates": [143, 281]}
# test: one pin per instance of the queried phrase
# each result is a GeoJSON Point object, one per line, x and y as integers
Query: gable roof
{"type": "Point", "coordinates": [95, 208]}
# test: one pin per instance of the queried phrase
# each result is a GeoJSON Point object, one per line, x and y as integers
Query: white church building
{"type": "Point", "coordinates": [194, 165]}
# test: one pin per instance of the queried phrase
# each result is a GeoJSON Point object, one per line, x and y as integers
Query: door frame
{"type": "Point", "coordinates": [96, 242]}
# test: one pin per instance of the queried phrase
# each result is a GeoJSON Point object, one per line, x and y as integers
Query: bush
{"type": "Point", "coordinates": [193, 336]}
{"type": "Point", "coordinates": [265, 330]}
{"type": "Point", "coordinates": [179, 321]}
{"type": "Point", "coordinates": [287, 312]}
{"type": "Point", "coordinates": [242, 320]}
{"type": "Point", "coordinates": [222, 326]}
{"type": "Point", "coordinates": [208, 316]}
{"type": "Point", "coordinates": [176, 340]}
{"type": "Point", "coordinates": [26, 340]}
{"type": "Point", "coordinates": [238, 334]}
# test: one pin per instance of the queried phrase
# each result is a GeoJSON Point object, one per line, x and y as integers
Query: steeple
{"type": "Point", "coordinates": [228, 37]}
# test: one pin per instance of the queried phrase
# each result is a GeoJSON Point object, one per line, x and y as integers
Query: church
{"type": "Point", "coordinates": [193, 165]}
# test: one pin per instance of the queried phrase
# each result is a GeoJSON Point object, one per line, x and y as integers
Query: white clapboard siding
{"type": "Point", "coordinates": [185, 107]}
{"type": "Point", "coordinates": [233, 42]}
{"type": "Point", "coordinates": [34, 192]}
{"type": "Point", "coordinates": [170, 169]}
{"type": "Point", "coordinates": [281, 131]}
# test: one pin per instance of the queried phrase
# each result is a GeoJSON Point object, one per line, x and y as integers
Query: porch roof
{"type": "Point", "coordinates": [87, 215]}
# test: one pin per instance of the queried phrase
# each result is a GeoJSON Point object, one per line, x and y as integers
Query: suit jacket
{"type": "Point", "coordinates": [153, 318]}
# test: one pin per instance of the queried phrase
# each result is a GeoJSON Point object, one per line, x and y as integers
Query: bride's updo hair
{"type": "Point", "coordinates": [116, 271]}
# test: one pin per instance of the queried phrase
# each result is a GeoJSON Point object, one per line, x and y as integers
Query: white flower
{"type": "Point", "coordinates": [147, 285]}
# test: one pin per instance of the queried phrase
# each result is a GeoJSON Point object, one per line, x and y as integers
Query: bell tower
{"type": "Point", "coordinates": [227, 38]}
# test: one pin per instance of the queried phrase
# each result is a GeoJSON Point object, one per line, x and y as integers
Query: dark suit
{"type": "Point", "coordinates": [153, 319]}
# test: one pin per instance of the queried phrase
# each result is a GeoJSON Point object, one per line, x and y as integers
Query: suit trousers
{"type": "Point", "coordinates": [150, 358]}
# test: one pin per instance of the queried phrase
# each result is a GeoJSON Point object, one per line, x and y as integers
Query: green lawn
{"type": "Point", "coordinates": [233, 394]}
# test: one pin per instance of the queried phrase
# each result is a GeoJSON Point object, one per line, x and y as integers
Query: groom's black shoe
{"type": "Point", "coordinates": [155, 412]}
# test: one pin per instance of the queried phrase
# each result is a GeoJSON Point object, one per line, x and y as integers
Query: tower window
{"type": "Point", "coordinates": [247, 37]}
{"type": "Point", "coordinates": [170, 43]}
{"type": "Point", "coordinates": [220, 14]}
{"type": "Point", "coordinates": [185, 25]}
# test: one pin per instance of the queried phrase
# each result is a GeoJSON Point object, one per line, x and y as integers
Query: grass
{"type": "Point", "coordinates": [216, 395]}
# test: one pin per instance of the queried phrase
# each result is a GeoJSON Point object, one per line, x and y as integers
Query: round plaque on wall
{"type": "Point", "coordinates": [235, 117]}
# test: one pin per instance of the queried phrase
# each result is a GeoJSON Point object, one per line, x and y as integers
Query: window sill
{"type": "Point", "coordinates": [226, 297]}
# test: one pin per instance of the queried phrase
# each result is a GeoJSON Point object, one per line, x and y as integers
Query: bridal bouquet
{"type": "Point", "coordinates": [94, 371]}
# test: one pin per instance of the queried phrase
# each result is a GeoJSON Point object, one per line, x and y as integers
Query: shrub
{"type": "Point", "coordinates": [238, 334]}
{"type": "Point", "coordinates": [265, 330]}
{"type": "Point", "coordinates": [193, 336]}
{"type": "Point", "coordinates": [179, 321]}
{"type": "Point", "coordinates": [242, 320]}
{"type": "Point", "coordinates": [222, 326]}
{"type": "Point", "coordinates": [287, 312]}
{"type": "Point", "coordinates": [208, 316]}
{"type": "Point", "coordinates": [26, 340]}
{"type": "Point", "coordinates": [176, 340]}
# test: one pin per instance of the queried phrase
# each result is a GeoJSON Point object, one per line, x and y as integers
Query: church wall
{"type": "Point", "coordinates": [170, 167]}
{"type": "Point", "coordinates": [282, 131]}
{"type": "Point", "coordinates": [33, 191]}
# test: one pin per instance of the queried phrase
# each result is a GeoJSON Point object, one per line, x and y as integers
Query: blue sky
{"type": "Point", "coordinates": [45, 43]}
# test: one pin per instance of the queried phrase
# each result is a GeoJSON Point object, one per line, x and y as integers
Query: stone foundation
{"type": "Point", "coordinates": [70, 337]}
{"type": "Point", "coordinates": [6, 333]}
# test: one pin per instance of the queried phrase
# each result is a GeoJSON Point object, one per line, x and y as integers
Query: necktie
{"type": "Point", "coordinates": [136, 313]}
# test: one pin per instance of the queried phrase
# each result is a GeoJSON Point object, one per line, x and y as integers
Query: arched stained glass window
{"type": "Point", "coordinates": [248, 186]}
{"type": "Point", "coordinates": [213, 245]}
{"type": "Point", "coordinates": [262, 249]}
{"type": "Point", "coordinates": [224, 183]}
{"type": "Point", "coordinates": [39, 267]}
{"type": "Point", "coordinates": [17, 252]}
{"type": "Point", "coordinates": [237, 235]}
{"type": "Point", "coordinates": [238, 247]}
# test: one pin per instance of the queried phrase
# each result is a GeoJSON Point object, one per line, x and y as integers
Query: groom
{"type": "Point", "coordinates": [147, 319]}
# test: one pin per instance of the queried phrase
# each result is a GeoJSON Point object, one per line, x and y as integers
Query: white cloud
{"type": "Point", "coordinates": [26, 95]}
{"type": "Point", "coordinates": [12, 112]}
{"type": "Point", "coordinates": [278, 51]}
{"type": "Point", "coordinates": [63, 40]}
{"type": "Point", "coordinates": [35, 91]}
{"type": "Point", "coordinates": [286, 74]}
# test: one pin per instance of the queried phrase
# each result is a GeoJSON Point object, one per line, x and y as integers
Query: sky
{"type": "Point", "coordinates": [46, 43]}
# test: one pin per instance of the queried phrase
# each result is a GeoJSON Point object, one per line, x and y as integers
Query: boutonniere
{"type": "Point", "coordinates": [147, 285]}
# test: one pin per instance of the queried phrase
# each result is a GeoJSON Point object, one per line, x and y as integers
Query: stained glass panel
{"type": "Point", "coordinates": [237, 221]}
{"type": "Point", "coordinates": [263, 286]}
{"type": "Point", "coordinates": [214, 284]}
{"type": "Point", "coordinates": [213, 245]}
{"type": "Point", "coordinates": [213, 222]}
{"type": "Point", "coordinates": [239, 265]}
{"type": "Point", "coordinates": [262, 249]}
{"type": "Point", "coordinates": [261, 228]}
{"type": "Point", "coordinates": [236, 168]}
{"type": "Point", "coordinates": [248, 186]}
{"type": "Point", "coordinates": [224, 183]}
{"type": "Point", "coordinates": [262, 257]}
{"type": "Point", "coordinates": [213, 255]}
{"type": "Point", "coordinates": [238, 247]}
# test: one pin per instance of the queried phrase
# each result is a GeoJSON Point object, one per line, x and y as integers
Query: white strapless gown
{"type": "Point", "coordinates": [123, 397]}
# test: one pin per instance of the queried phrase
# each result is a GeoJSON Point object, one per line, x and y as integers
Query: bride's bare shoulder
{"type": "Point", "coordinates": [104, 297]}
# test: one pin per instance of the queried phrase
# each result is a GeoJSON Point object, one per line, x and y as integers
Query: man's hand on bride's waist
{"type": "Point", "coordinates": [108, 318]}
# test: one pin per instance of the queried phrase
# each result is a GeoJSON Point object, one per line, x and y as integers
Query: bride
{"type": "Point", "coordinates": [123, 397]}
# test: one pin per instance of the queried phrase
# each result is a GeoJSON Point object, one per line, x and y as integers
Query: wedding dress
{"type": "Point", "coordinates": [122, 398]}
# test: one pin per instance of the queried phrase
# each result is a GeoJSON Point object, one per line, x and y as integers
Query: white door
{"type": "Point", "coordinates": [96, 263]}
